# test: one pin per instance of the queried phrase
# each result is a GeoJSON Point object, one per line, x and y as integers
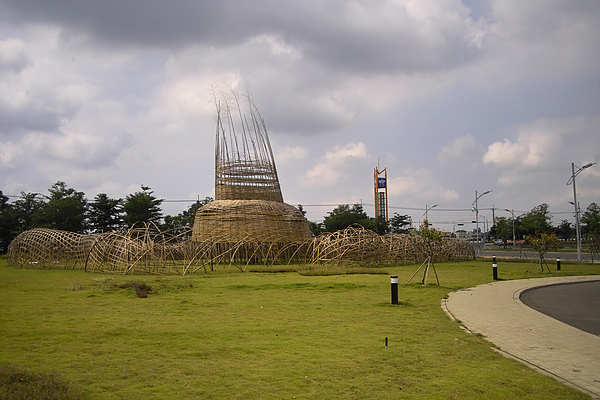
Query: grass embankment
{"type": "Point", "coordinates": [229, 334]}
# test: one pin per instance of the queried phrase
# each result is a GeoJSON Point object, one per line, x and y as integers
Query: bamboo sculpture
{"type": "Point", "coordinates": [145, 249]}
{"type": "Point", "coordinates": [49, 248]}
{"type": "Point", "coordinates": [248, 223]}
{"type": "Point", "coordinates": [248, 203]}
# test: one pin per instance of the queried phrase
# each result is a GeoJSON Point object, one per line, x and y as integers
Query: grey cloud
{"type": "Point", "coordinates": [13, 57]}
{"type": "Point", "coordinates": [316, 28]}
{"type": "Point", "coordinates": [144, 22]}
{"type": "Point", "coordinates": [36, 114]}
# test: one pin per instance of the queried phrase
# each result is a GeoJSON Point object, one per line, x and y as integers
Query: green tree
{"type": "Point", "coordinates": [399, 223]}
{"type": "Point", "coordinates": [590, 220]}
{"type": "Point", "coordinates": [536, 221]}
{"type": "Point", "coordinates": [315, 228]}
{"type": "Point", "coordinates": [177, 225]}
{"type": "Point", "coordinates": [502, 229]}
{"type": "Point", "coordinates": [542, 243]}
{"type": "Point", "coordinates": [142, 206]}
{"type": "Point", "coordinates": [343, 216]}
{"type": "Point", "coordinates": [105, 214]}
{"type": "Point", "coordinates": [8, 223]}
{"type": "Point", "coordinates": [65, 210]}
{"type": "Point", "coordinates": [565, 230]}
{"type": "Point", "coordinates": [301, 209]}
{"type": "Point", "coordinates": [25, 210]}
{"type": "Point", "coordinates": [431, 235]}
{"type": "Point", "coordinates": [380, 225]}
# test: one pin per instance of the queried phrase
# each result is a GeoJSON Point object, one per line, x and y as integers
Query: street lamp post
{"type": "Point", "coordinates": [477, 196]}
{"type": "Point", "coordinates": [486, 226]}
{"type": "Point", "coordinates": [427, 210]}
{"type": "Point", "coordinates": [454, 225]}
{"type": "Point", "coordinates": [577, 225]}
{"type": "Point", "coordinates": [512, 212]}
{"type": "Point", "coordinates": [572, 180]}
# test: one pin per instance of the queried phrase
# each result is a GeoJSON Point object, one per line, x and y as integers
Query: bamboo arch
{"type": "Point", "coordinates": [145, 249]}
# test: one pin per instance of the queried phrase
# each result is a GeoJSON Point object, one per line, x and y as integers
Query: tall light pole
{"type": "Point", "coordinates": [512, 212]}
{"type": "Point", "coordinates": [454, 225]}
{"type": "Point", "coordinates": [427, 210]}
{"type": "Point", "coordinates": [486, 227]}
{"type": "Point", "coordinates": [572, 180]}
{"type": "Point", "coordinates": [477, 196]}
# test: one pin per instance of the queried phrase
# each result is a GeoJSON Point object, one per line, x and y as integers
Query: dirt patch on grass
{"type": "Point", "coordinates": [142, 290]}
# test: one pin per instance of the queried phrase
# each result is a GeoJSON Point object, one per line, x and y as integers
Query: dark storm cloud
{"type": "Point", "coordinates": [332, 33]}
{"type": "Point", "coordinates": [108, 94]}
{"type": "Point", "coordinates": [137, 22]}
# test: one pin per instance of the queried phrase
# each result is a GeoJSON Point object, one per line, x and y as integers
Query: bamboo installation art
{"type": "Point", "coordinates": [248, 203]}
{"type": "Point", "coordinates": [247, 223]}
{"type": "Point", "coordinates": [362, 246]}
{"type": "Point", "coordinates": [49, 248]}
{"type": "Point", "coordinates": [145, 249]}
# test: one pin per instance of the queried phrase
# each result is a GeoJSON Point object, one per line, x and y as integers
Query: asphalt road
{"type": "Point", "coordinates": [576, 304]}
{"type": "Point", "coordinates": [530, 253]}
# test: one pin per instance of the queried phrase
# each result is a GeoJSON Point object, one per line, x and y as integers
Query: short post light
{"type": "Point", "coordinates": [394, 289]}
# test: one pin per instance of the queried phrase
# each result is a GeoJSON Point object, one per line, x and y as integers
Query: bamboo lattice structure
{"type": "Point", "coordinates": [244, 163]}
{"type": "Point", "coordinates": [361, 246]}
{"type": "Point", "coordinates": [49, 248]}
{"type": "Point", "coordinates": [248, 223]}
{"type": "Point", "coordinates": [248, 207]}
{"type": "Point", "coordinates": [145, 249]}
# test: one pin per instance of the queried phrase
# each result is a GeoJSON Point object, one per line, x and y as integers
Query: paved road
{"type": "Point", "coordinates": [531, 254]}
{"type": "Point", "coordinates": [495, 310]}
{"type": "Point", "coordinates": [576, 304]}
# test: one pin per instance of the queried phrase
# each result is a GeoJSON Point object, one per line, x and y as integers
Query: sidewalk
{"type": "Point", "coordinates": [494, 310]}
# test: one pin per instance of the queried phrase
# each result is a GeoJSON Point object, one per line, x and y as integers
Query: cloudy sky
{"type": "Point", "coordinates": [451, 97]}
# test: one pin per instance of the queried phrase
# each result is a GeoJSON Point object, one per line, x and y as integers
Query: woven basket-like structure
{"type": "Point", "coordinates": [361, 246]}
{"type": "Point", "coordinates": [248, 204]}
{"type": "Point", "coordinates": [49, 248]}
{"type": "Point", "coordinates": [255, 220]}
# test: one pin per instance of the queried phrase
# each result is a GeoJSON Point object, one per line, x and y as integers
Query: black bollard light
{"type": "Point", "coordinates": [558, 263]}
{"type": "Point", "coordinates": [494, 268]}
{"type": "Point", "coordinates": [394, 289]}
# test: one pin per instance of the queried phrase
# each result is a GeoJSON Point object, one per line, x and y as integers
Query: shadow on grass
{"type": "Point", "coordinates": [22, 384]}
{"type": "Point", "coordinates": [300, 286]}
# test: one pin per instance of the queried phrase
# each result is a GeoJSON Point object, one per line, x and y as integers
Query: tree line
{"type": "Point", "coordinates": [67, 209]}
{"type": "Point", "coordinates": [346, 215]}
{"type": "Point", "coordinates": [538, 221]}
{"type": "Point", "coordinates": [531, 224]}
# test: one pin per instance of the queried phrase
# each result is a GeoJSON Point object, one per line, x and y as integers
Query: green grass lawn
{"type": "Point", "coordinates": [232, 334]}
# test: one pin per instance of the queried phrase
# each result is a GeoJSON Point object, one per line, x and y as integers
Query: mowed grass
{"type": "Point", "coordinates": [241, 335]}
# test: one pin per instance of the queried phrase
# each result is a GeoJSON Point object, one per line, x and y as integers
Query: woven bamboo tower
{"type": "Point", "coordinates": [248, 203]}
